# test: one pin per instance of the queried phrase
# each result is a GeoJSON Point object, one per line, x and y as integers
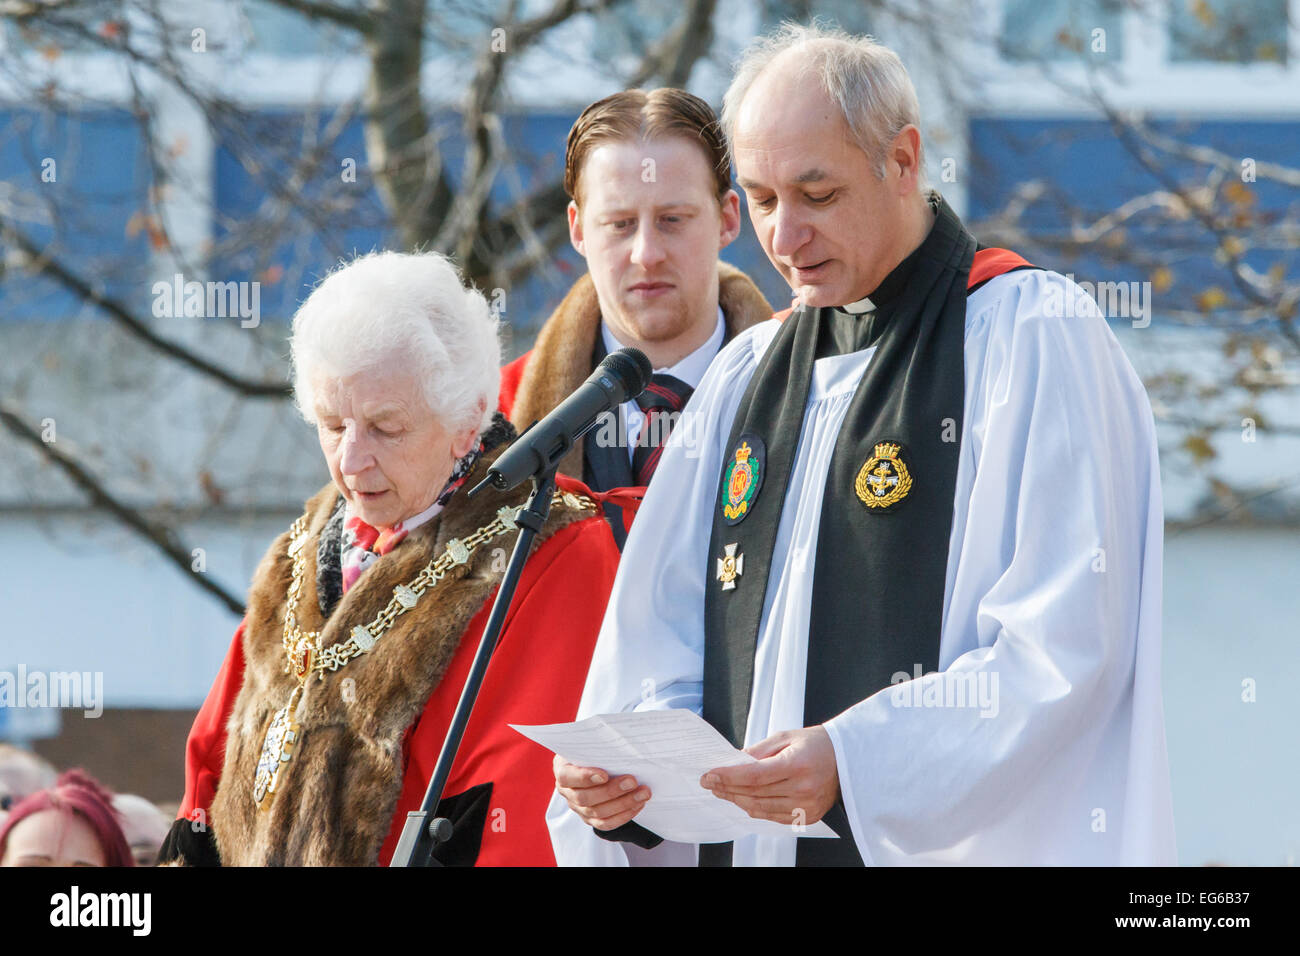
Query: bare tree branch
{"type": "Point", "coordinates": [162, 538]}
{"type": "Point", "coordinates": [504, 250]}
{"type": "Point", "coordinates": [350, 17]}
{"type": "Point", "coordinates": [1237, 503]}
{"type": "Point", "coordinates": [675, 56]}
{"type": "Point", "coordinates": [1206, 426]}
{"type": "Point", "coordinates": [32, 9]}
{"type": "Point", "coordinates": [1131, 135]}
{"type": "Point", "coordinates": [45, 264]}
{"type": "Point", "coordinates": [1288, 175]}
{"type": "Point", "coordinates": [402, 151]}
{"type": "Point", "coordinates": [478, 246]}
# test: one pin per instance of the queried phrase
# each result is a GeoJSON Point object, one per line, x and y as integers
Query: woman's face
{"type": "Point", "coordinates": [53, 838]}
{"type": "Point", "coordinates": [388, 453]}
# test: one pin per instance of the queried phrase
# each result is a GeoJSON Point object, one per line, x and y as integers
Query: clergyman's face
{"type": "Point", "coordinates": [650, 227]}
{"type": "Point", "coordinates": [828, 224]}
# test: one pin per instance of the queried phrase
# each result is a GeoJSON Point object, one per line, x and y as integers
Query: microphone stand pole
{"type": "Point", "coordinates": [423, 831]}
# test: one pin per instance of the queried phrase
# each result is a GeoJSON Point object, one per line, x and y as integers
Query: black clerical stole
{"type": "Point", "coordinates": [882, 545]}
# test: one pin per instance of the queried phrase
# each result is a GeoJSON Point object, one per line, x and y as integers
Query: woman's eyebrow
{"type": "Point", "coordinates": [384, 411]}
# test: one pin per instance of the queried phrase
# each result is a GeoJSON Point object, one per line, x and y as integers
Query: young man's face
{"type": "Point", "coordinates": [828, 224]}
{"type": "Point", "coordinates": [650, 227]}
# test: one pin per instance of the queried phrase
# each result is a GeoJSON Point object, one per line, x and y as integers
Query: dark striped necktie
{"type": "Point", "coordinates": [662, 402]}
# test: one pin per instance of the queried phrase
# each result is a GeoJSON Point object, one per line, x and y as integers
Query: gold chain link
{"type": "Point", "coordinates": [298, 642]}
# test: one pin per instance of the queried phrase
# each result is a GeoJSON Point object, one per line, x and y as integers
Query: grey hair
{"type": "Point", "coordinates": [865, 79]}
{"type": "Point", "coordinates": [390, 304]}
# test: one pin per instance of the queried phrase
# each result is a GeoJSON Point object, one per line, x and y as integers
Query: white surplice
{"type": "Point", "coordinates": [1051, 606]}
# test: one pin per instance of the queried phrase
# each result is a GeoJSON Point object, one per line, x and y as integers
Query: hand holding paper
{"type": "Point", "coordinates": [602, 803]}
{"type": "Point", "coordinates": [793, 772]}
{"type": "Point", "coordinates": [668, 751]}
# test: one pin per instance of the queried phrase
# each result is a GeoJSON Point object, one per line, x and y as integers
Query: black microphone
{"type": "Point", "coordinates": [622, 376]}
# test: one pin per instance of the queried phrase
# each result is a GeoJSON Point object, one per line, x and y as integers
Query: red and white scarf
{"type": "Point", "coordinates": [363, 544]}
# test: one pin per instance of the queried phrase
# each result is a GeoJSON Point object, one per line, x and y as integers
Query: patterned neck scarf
{"type": "Point", "coordinates": [363, 544]}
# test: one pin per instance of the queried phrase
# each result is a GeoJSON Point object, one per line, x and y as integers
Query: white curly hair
{"type": "Point", "coordinates": [414, 306]}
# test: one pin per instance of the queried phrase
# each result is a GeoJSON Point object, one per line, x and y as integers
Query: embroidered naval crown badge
{"type": "Point", "coordinates": [885, 479]}
{"type": "Point", "coordinates": [743, 478]}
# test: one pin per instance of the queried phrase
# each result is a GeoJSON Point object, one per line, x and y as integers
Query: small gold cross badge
{"type": "Point", "coordinates": [730, 567]}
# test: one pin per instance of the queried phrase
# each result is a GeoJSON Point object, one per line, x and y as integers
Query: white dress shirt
{"type": "Point", "coordinates": [690, 370]}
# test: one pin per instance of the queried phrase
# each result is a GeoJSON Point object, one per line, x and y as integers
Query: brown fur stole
{"type": "Point", "coordinates": [339, 792]}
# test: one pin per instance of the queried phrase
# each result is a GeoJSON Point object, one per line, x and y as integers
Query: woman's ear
{"type": "Point", "coordinates": [464, 440]}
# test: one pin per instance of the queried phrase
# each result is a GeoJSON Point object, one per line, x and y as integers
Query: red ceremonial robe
{"type": "Point", "coordinates": [536, 677]}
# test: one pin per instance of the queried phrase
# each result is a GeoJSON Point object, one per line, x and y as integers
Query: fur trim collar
{"type": "Point", "coordinates": [561, 357]}
{"type": "Point", "coordinates": [340, 790]}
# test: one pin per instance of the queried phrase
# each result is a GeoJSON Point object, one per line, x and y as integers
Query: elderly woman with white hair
{"type": "Point", "coordinates": [324, 724]}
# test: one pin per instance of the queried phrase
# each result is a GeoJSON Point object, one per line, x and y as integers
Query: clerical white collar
{"type": "Point", "coordinates": [691, 369]}
{"type": "Point", "coordinates": [861, 306]}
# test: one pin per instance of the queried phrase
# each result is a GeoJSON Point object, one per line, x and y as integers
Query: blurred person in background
{"type": "Point", "coordinates": [72, 823]}
{"type": "Point", "coordinates": [324, 724]}
{"type": "Point", "coordinates": [22, 773]}
{"type": "Point", "coordinates": [145, 826]}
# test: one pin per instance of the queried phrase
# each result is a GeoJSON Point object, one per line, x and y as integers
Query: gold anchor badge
{"type": "Point", "coordinates": [884, 479]}
{"type": "Point", "coordinates": [730, 567]}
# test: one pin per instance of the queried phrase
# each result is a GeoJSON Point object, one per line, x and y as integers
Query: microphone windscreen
{"type": "Point", "coordinates": [632, 369]}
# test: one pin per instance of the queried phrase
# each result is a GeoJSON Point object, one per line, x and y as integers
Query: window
{"type": "Point", "coordinates": [1050, 30]}
{"type": "Point", "coordinates": [1228, 31]}
{"type": "Point", "coordinates": [272, 29]}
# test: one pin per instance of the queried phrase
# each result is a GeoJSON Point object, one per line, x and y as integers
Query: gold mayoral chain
{"type": "Point", "coordinates": [303, 650]}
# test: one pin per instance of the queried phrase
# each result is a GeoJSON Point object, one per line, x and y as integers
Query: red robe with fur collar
{"type": "Point", "coordinates": [536, 677]}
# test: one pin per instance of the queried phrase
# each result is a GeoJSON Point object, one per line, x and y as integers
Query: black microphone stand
{"type": "Point", "coordinates": [423, 832]}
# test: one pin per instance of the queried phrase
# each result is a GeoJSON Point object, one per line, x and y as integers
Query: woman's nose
{"type": "Point", "coordinates": [355, 455]}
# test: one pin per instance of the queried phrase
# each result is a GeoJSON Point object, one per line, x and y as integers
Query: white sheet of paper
{"type": "Point", "coordinates": [668, 751]}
